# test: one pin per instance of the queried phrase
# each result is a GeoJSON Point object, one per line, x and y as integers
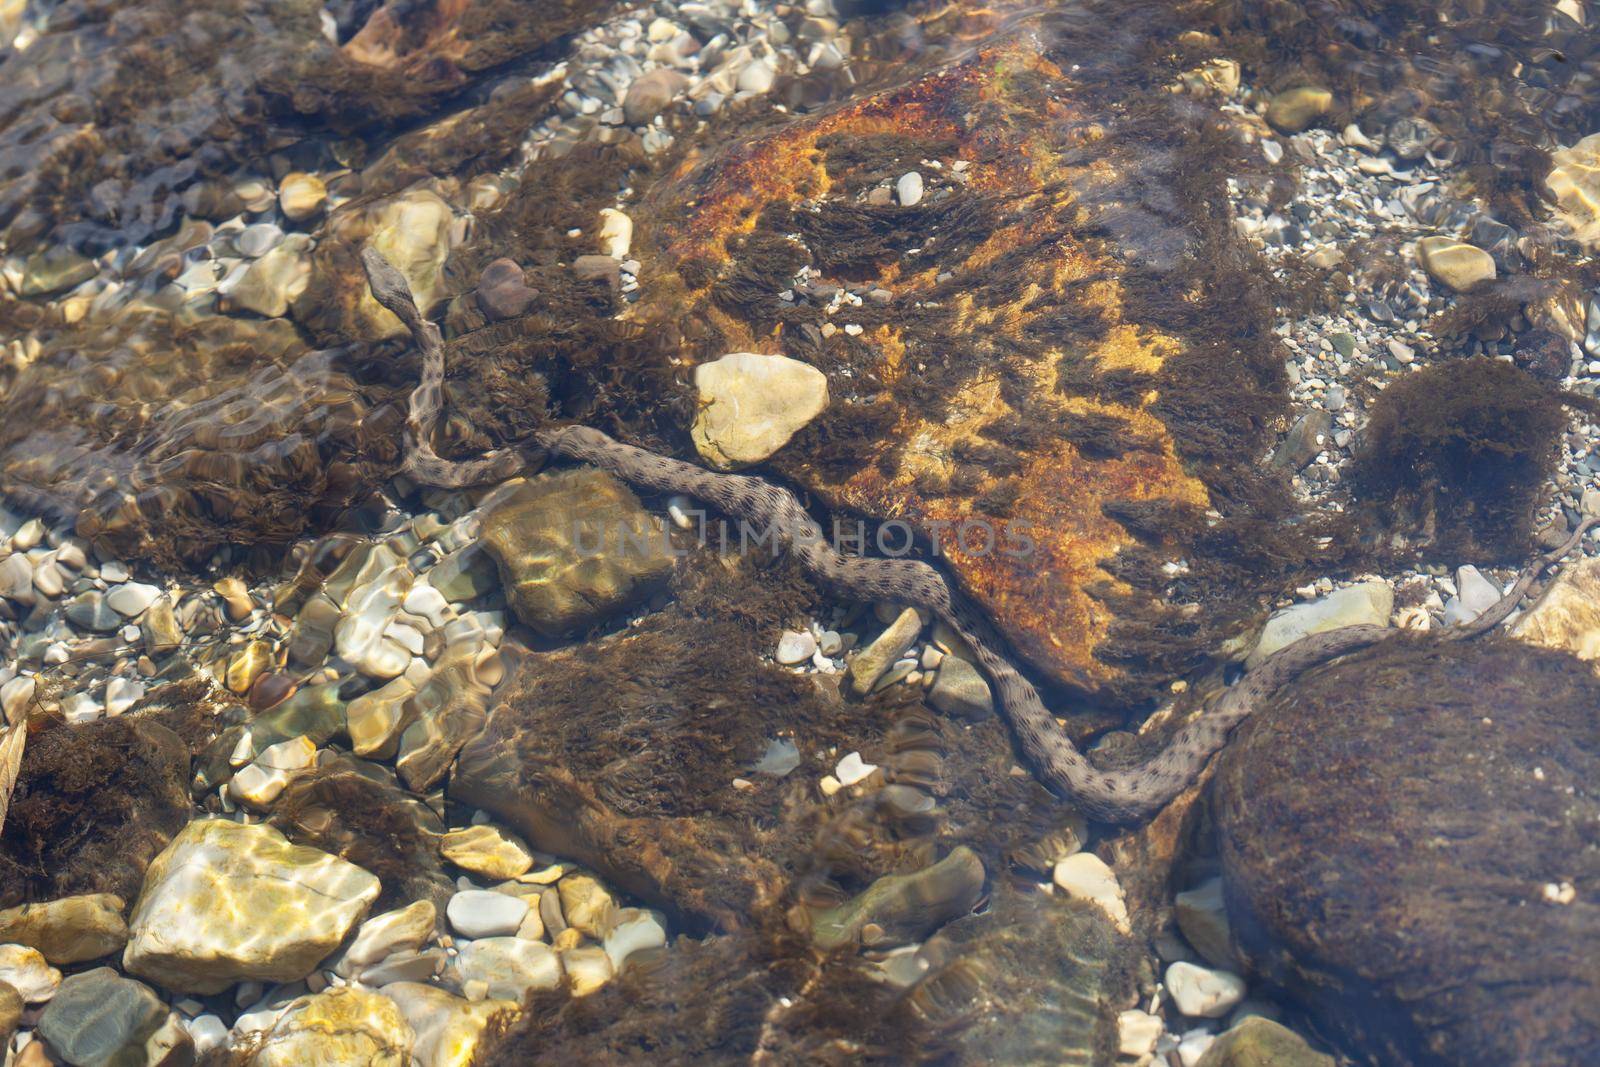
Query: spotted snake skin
{"type": "Point", "coordinates": [1119, 796]}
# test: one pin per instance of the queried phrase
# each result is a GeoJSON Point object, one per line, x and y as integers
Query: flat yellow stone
{"type": "Point", "coordinates": [487, 850]}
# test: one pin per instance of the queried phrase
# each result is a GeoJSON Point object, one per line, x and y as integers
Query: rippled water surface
{"type": "Point", "coordinates": [1244, 320]}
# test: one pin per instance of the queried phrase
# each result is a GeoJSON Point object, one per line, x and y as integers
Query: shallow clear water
{"type": "Point", "coordinates": [1131, 282]}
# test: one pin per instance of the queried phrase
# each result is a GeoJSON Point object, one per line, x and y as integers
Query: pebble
{"type": "Point", "coordinates": [1202, 992]}
{"type": "Point", "coordinates": [122, 694]}
{"type": "Point", "coordinates": [959, 690]}
{"type": "Point", "coordinates": [750, 405]}
{"type": "Point", "coordinates": [795, 648]}
{"type": "Point", "coordinates": [257, 240]}
{"type": "Point", "coordinates": [1085, 876]}
{"type": "Point", "coordinates": [131, 599]}
{"type": "Point", "coordinates": [852, 769]}
{"type": "Point", "coordinates": [756, 78]}
{"type": "Point", "coordinates": [301, 196]}
{"type": "Point", "coordinates": [909, 189]}
{"type": "Point", "coordinates": [404, 929]}
{"type": "Point", "coordinates": [26, 970]}
{"type": "Point", "coordinates": [616, 233]}
{"type": "Point", "coordinates": [482, 913]}
{"type": "Point", "coordinates": [1454, 263]}
{"type": "Point", "coordinates": [874, 661]}
{"type": "Point", "coordinates": [1137, 1034]}
{"type": "Point", "coordinates": [487, 850]}
{"type": "Point", "coordinates": [509, 967]}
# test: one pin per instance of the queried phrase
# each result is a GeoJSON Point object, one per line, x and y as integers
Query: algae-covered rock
{"type": "Point", "coordinates": [1257, 1042]}
{"type": "Point", "coordinates": [905, 907]}
{"type": "Point", "coordinates": [1454, 457]}
{"type": "Point", "coordinates": [574, 547]}
{"type": "Point", "coordinates": [93, 806]}
{"type": "Point", "coordinates": [1401, 834]}
{"type": "Point", "coordinates": [1033, 979]}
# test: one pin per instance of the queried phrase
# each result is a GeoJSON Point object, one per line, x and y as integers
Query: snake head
{"type": "Point", "coordinates": [389, 286]}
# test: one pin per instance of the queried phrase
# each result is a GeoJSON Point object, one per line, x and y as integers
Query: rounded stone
{"type": "Point", "coordinates": [478, 913]}
{"type": "Point", "coordinates": [1296, 109]}
{"type": "Point", "coordinates": [1455, 264]}
{"type": "Point", "coordinates": [1451, 934]}
{"type": "Point", "coordinates": [750, 405]}
{"type": "Point", "coordinates": [301, 196]}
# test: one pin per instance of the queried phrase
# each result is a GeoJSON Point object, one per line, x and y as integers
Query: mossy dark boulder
{"type": "Point", "coordinates": [1454, 457]}
{"type": "Point", "coordinates": [1401, 837]}
{"type": "Point", "coordinates": [93, 806]}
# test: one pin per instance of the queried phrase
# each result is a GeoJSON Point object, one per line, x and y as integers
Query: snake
{"type": "Point", "coordinates": [1120, 795]}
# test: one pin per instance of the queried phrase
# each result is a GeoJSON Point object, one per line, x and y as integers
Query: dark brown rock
{"type": "Point", "coordinates": [598, 269]}
{"type": "Point", "coordinates": [93, 806]}
{"type": "Point", "coordinates": [503, 292]}
{"type": "Point", "coordinates": [1396, 831]}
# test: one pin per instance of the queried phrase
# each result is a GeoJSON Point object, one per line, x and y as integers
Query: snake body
{"type": "Point", "coordinates": [1121, 795]}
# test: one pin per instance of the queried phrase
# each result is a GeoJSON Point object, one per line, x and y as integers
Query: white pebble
{"type": "Point", "coordinates": [681, 510]}
{"type": "Point", "coordinates": [132, 599]}
{"type": "Point", "coordinates": [122, 694]}
{"type": "Point", "coordinates": [909, 188]}
{"type": "Point", "coordinates": [1203, 992]}
{"type": "Point", "coordinates": [483, 913]}
{"type": "Point", "coordinates": [853, 769]}
{"type": "Point", "coordinates": [795, 648]}
{"type": "Point", "coordinates": [1085, 876]}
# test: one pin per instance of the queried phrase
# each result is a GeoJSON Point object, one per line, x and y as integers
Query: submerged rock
{"type": "Point", "coordinates": [573, 547]}
{"type": "Point", "coordinates": [342, 1025]}
{"type": "Point", "coordinates": [1257, 1042]}
{"type": "Point", "coordinates": [1294, 110]}
{"type": "Point", "coordinates": [69, 930]}
{"type": "Point", "coordinates": [1033, 979]}
{"type": "Point", "coordinates": [1365, 604]}
{"type": "Point", "coordinates": [1458, 265]}
{"type": "Point", "coordinates": [905, 907]}
{"type": "Point", "coordinates": [1567, 616]}
{"type": "Point", "coordinates": [100, 1017]}
{"type": "Point", "coordinates": [1397, 830]}
{"type": "Point", "coordinates": [1025, 398]}
{"type": "Point", "coordinates": [751, 404]}
{"type": "Point", "coordinates": [94, 804]}
{"type": "Point", "coordinates": [1454, 456]}
{"type": "Point", "coordinates": [448, 1028]}
{"type": "Point", "coordinates": [185, 932]}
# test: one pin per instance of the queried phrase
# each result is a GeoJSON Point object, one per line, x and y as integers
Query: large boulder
{"type": "Point", "coordinates": [1005, 367]}
{"type": "Point", "coordinates": [1402, 837]}
{"type": "Point", "coordinates": [227, 902]}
